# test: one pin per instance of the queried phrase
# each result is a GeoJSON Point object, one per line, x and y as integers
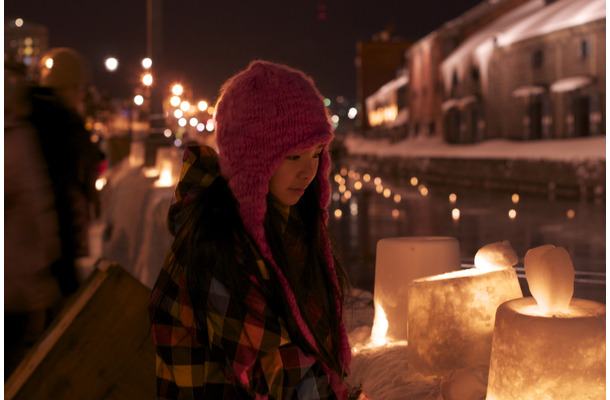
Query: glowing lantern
{"type": "Point", "coordinates": [168, 166]}
{"type": "Point", "coordinates": [400, 260]}
{"type": "Point", "coordinates": [451, 316]}
{"type": "Point", "coordinates": [550, 345]}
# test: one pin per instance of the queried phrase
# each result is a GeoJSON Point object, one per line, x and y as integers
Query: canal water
{"type": "Point", "coordinates": [366, 208]}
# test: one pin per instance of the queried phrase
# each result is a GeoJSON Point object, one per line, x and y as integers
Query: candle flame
{"type": "Point", "coordinates": [380, 327]}
{"type": "Point", "coordinates": [165, 178]}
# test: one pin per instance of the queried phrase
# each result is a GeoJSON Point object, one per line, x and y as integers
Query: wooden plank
{"type": "Point", "coordinates": [100, 347]}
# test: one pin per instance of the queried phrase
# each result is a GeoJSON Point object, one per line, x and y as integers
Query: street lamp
{"type": "Point", "coordinates": [111, 64]}
{"type": "Point", "coordinates": [147, 79]}
{"type": "Point", "coordinates": [146, 63]}
{"type": "Point", "coordinates": [177, 89]}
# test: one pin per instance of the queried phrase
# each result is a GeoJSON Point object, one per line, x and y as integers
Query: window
{"type": "Point", "coordinates": [537, 59]}
{"type": "Point", "coordinates": [585, 49]}
{"type": "Point", "coordinates": [474, 73]}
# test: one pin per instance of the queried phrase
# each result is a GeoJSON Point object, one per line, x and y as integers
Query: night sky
{"type": "Point", "coordinates": [205, 42]}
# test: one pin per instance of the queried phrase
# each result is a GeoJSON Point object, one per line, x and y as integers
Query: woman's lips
{"type": "Point", "coordinates": [297, 191]}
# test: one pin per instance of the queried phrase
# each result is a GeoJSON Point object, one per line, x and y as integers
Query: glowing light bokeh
{"type": "Point", "coordinates": [111, 64]}
{"type": "Point", "coordinates": [100, 183]}
{"type": "Point", "coordinates": [352, 112]}
{"type": "Point", "coordinates": [177, 89]}
{"type": "Point", "coordinates": [147, 79]}
{"type": "Point", "coordinates": [174, 101]}
{"type": "Point", "coordinates": [146, 63]}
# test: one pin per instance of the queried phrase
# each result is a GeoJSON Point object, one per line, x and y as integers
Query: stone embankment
{"type": "Point", "coordinates": [576, 178]}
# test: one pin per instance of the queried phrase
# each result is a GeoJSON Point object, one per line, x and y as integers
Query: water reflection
{"type": "Point", "coordinates": [366, 208]}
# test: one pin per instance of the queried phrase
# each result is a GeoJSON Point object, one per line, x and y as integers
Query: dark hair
{"type": "Point", "coordinates": [313, 275]}
{"type": "Point", "coordinates": [210, 230]}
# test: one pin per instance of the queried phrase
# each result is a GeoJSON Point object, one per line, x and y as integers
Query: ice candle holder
{"type": "Point", "coordinates": [451, 316]}
{"type": "Point", "coordinates": [551, 345]}
{"type": "Point", "coordinates": [399, 260]}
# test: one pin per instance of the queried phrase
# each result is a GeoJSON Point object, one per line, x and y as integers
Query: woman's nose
{"type": "Point", "coordinates": [308, 169]}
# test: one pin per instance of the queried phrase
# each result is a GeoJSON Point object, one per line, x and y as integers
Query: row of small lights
{"type": "Point", "coordinates": [344, 194]}
{"type": "Point", "coordinates": [182, 107]}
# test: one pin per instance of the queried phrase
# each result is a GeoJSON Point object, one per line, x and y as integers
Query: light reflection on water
{"type": "Point", "coordinates": [474, 216]}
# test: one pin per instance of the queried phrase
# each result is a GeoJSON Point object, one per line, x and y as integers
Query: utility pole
{"type": "Point", "coordinates": [154, 50]}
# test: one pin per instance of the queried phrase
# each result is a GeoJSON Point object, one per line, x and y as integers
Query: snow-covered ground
{"type": "Point", "coordinates": [577, 149]}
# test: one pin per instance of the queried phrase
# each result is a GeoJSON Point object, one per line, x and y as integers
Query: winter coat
{"type": "Point", "coordinates": [31, 230]}
{"type": "Point", "coordinates": [240, 346]}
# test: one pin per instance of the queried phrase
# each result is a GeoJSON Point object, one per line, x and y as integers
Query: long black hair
{"type": "Point", "coordinates": [210, 230]}
{"type": "Point", "coordinates": [309, 275]}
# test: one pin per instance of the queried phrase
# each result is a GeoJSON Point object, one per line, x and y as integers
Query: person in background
{"type": "Point", "coordinates": [32, 294]}
{"type": "Point", "coordinates": [249, 302]}
{"type": "Point", "coordinates": [72, 159]}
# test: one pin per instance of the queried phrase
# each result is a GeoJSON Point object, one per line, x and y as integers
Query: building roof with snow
{"type": "Point", "coordinates": [532, 19]}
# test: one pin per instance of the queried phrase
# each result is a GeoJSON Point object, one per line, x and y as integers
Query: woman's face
{"type": "Point", "coordinates": [294, 174]}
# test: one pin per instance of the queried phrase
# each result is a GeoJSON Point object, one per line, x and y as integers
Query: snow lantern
{"type": "Point", "coordinates": [451, 316]}
{"type": "Point", "coordinates": [550, 345]}
{"type": "Point", "coordinates": [168, 166]}
{"type": "Point", "coordinates": [400, 260]}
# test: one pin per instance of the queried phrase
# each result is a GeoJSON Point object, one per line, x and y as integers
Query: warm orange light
{"type": "Point", "coordinates": [451, 318]}
{"type": "Point", "coordinates": [399, 260]}
{"type": "Point", "coordinates": [550, 277]}
{"type": "Point", "coordinates": [177, 89]}
{"type": "Point", "coordinates": [147, 79]}
{"type": "Point", "coordinates": [549, 345]}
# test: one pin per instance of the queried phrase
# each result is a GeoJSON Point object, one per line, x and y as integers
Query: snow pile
{"type": "Point", "coordinates": [577, 149]}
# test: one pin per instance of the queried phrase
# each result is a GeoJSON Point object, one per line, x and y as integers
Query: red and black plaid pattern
{"type": "Point", "coordinates": [242, 350]}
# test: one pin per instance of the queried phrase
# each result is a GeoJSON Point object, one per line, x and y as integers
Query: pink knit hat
{"type": "Point", "coordinates": [266, 113]}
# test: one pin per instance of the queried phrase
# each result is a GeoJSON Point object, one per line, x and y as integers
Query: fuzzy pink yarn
{"type": "Point", "coordinates": [265, 113]}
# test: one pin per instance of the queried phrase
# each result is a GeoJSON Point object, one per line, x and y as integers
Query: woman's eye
{"type": "Point", "coordinates": [292, 157]}
{"type": "Point", "coordinates": [318, 155]}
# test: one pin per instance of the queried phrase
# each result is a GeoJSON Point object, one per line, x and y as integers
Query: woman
{"type": "Point", "coordinates": [249, 301]}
